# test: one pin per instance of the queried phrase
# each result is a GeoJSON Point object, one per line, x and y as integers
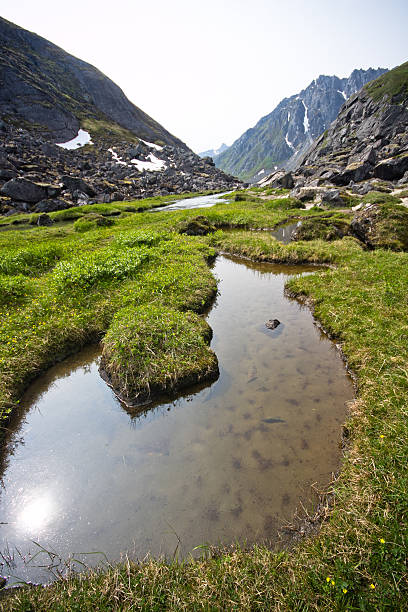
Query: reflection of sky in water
{"type": "Point", "coordinates": [38, 510]}
{"type": "Point", "coordinates": [228, 462]}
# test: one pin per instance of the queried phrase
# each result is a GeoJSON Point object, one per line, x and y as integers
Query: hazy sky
{"type": "Point", "coordinates": [207, 70]}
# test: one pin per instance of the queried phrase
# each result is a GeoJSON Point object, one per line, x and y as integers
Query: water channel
{"type": "Point", "coordinates": [224, 463]}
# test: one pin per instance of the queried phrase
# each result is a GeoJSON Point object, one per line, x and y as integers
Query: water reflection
{"type": "Point", "coordinates": [38, 510]}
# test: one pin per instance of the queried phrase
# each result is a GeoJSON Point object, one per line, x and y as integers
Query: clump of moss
{"type": "Point", "coordinates": [91, 221]}
{"type": "Point", "coordinates": [151, 350]}
{"type": "Point", "coordinates": [321, 228]}
{"type": "Point", "coordinates": [198, 226]}
{"type": "Point", "coordinates": [382, 226]}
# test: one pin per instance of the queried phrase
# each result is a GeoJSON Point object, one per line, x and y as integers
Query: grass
{"type": "Point", "coordinates": [76, 292]}
{"type": "Point", "coordinates": [392, 83]}
{"type": "Point", "coordinates": [150, 350]}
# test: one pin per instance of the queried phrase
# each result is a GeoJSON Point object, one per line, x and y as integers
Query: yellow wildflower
{"type": "Point", "coordinates": [382, 540]}
{"type": "Point", "coordinates": [344, 591]}
{"type": "Point", "coordinates": [372, 586]}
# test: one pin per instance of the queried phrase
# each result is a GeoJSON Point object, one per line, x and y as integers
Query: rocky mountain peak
{"type": "Point", "coordinates": [282, 137]}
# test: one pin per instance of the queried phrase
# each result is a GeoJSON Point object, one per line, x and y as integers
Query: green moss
{"type": "Point", "coordinates": [390, 229]}
{"type": "Point", "coordinates": [91, 221]}
{"type": "Point", "coordinates": [322, 228]}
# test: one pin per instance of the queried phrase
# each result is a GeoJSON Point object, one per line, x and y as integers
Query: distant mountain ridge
{"type": "Point", "coordinates": [42, 87]}
{"type": "Point", "coordinates": [281, 138]}
{"type": "Point", "coordinates": [214, 152]}
{"type": "Point", "coordinates": [369, 138]}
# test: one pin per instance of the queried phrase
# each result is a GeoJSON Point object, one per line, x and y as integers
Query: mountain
{"type": "Point", "coordinates": [108, 149]}
{"type": "Point", "coordinates": [214, 152]}
{"type": "Point", "coordinates": [280, 138]}
{"type": "Point", "coordinates": [47, 89]}
{"type": "Point", "coordinates": [369, 138]}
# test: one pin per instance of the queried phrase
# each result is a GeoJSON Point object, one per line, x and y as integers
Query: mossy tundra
{"type": "Point", "coordinates": [61, 289]}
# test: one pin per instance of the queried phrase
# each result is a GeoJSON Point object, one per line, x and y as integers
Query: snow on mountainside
{"type": "Point", "coordinates": [282, 137]}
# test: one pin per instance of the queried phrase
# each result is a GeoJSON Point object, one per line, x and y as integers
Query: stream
{"type": "Point", "coordinates": [223, 463]}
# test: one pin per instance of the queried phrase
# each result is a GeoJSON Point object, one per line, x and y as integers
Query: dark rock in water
{"type": "Point", "coordinates": [199, 226]}
{"type": "Point", "coordinates": [44, 220]}
{"type": "Point", "coordinates": [272, 323]}
{"type": "Point", "coordinates": [273, 420]}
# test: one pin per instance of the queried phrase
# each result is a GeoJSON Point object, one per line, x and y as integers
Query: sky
{"type": "Point", "coordinates": [208, 70]}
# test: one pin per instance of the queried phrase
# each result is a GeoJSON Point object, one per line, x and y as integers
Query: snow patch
{"type": "Point", "coordinates": [116, 158]}
{"type": "Point", "coordinates": [81, 139]}
{"type": "Point", "coordinates": [342, 93]}
{"type": "Point", "coordinates": [288, 117]}
{"type": "Point", "coordinates": [305, 119]}
{"type": "Point", "coordinates": [261, 171]}
{"type": "Point", "coordinates": [290, 145]}
{"type": "Point", "coordinates": [152, 145]}
{"type": "Point", "coordinates": [154, 165]}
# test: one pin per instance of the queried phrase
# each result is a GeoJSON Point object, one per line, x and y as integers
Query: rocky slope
{"type": "Point", "coordinates": [369, 138]}
{"type": "Point", "coordinates": [44, 88]}
{"type": "Point", "coordinates": [48, 96]}
{"type": "Point", "coordinates": [280, 138]}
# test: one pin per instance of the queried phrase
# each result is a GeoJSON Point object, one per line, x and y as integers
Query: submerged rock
{"type": "Point", "coordinates": [272, 323]}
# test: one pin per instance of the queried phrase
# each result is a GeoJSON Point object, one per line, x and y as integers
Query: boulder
{"type": "Point", "coordinates": [74, 183]}
{"type": "Point", "coordinates": [332, 197]}
{"type": "Point", "coordinates": [392, 168]}
{"type": "Point", "coordinates": [46, 206]}
{"type": "Point", "coordinates": [44, 220]}
{"type": "Point", "coordinates": [25, 191]}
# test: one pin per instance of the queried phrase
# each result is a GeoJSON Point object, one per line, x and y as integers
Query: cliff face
{"type": "Point", "coordinates": [282, 137]}
{"type": "Point", "coordinates": [368, 139]}
{"type": "Point", "coordinates": [44, 88]}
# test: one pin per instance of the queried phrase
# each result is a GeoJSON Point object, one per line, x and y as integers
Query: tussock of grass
{"type": "Point", "coordinates": [378, 197]}
{"type": "Point", "coordinates": [322, 228]}
{"type": "Point", "coordinates": [151, 350]}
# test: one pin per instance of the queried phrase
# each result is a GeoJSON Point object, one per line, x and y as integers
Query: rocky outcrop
{"type": "Point", "coordinates": [369, 138]}
{"type": "Point", "coordinates": [47, 178]}
{"type": "Point", "coordinates": [49, 96]}
{"type": "Point", "coordinates": [282, 137]}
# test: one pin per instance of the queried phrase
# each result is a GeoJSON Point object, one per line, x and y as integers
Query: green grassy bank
{"type": "Point", "coordinates": [60, 288]}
